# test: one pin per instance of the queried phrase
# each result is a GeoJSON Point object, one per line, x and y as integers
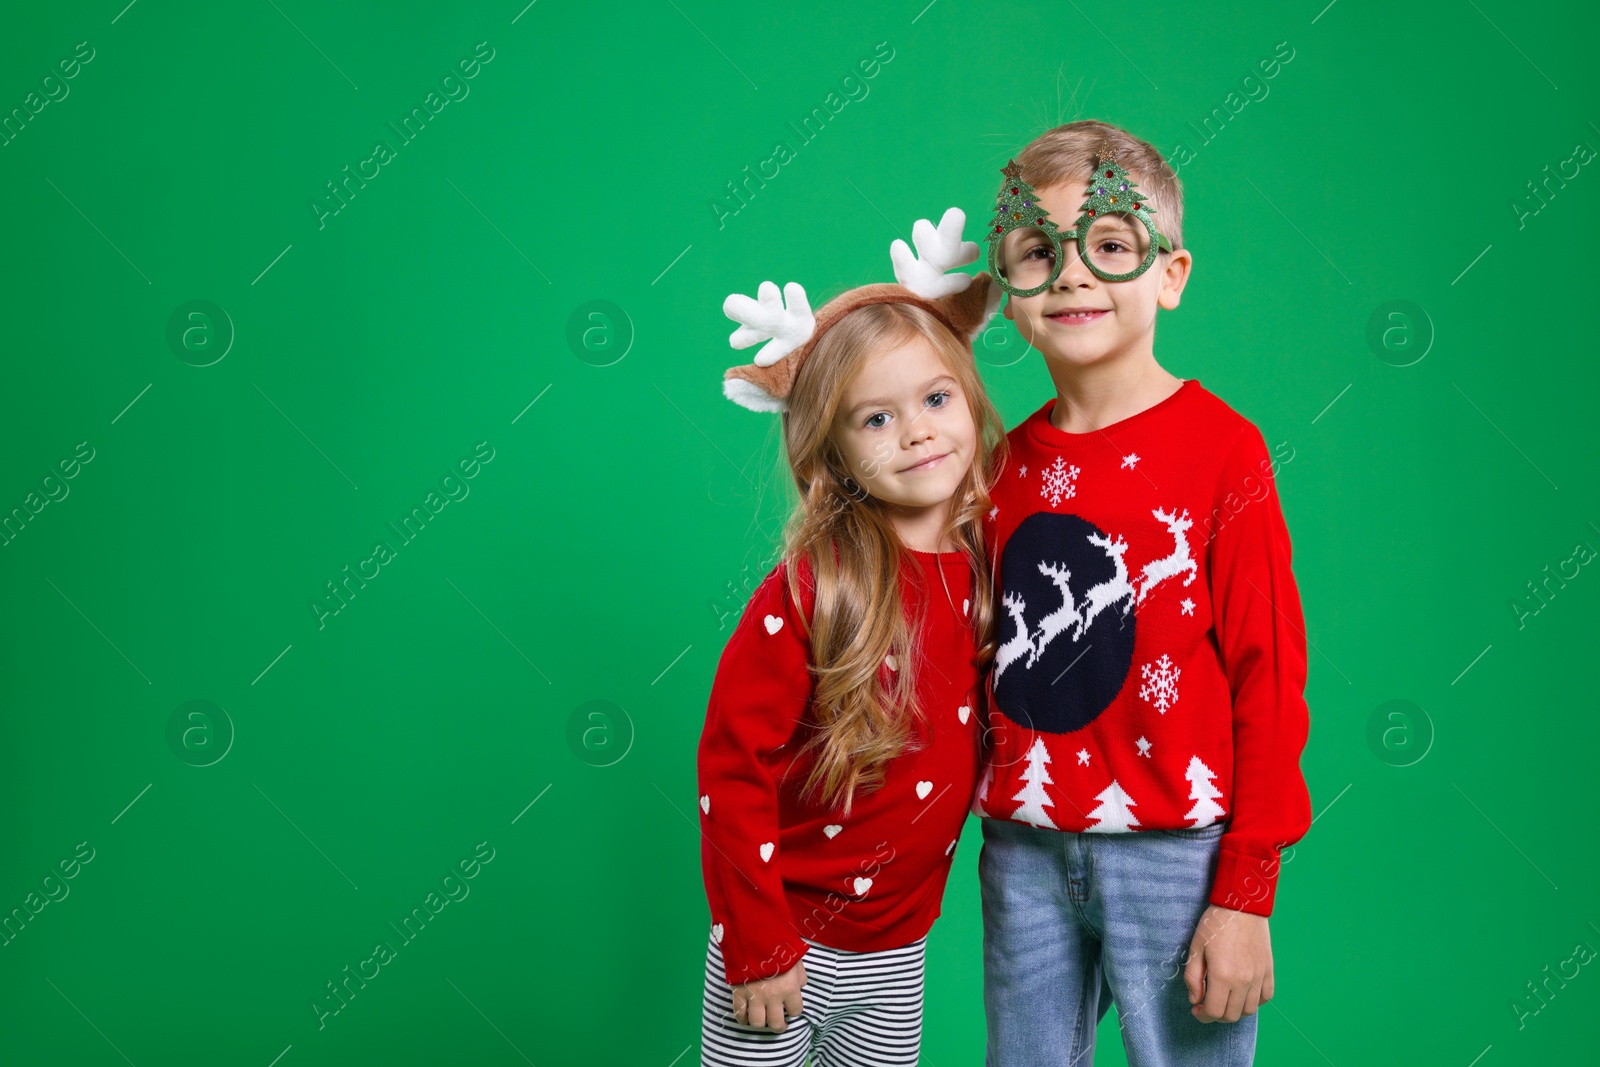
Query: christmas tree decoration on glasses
{"type": "Point", "coordinates": [1117, 238]}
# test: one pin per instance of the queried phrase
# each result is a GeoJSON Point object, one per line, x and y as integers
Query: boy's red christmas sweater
{"type": "Point", "coordinates": [1153, 664]}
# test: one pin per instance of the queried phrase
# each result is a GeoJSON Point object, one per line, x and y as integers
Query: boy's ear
{"type": "Point", "coordinates": [1174, 276]}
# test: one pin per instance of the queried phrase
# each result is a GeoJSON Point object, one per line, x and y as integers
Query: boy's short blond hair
{"type": "Point", "coordinates": [1070, 152]}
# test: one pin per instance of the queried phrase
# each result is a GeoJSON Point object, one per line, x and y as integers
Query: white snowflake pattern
{"type": "Point", "coordinates": [1160, 683]}
{"type": "Point", "coordinates": [993, 512]}
{"type": "Point", "coordinates": [1058, 479]}
{"type": "Point", "coordinates": [1083, 757]}
{"type": "Point", "coordinates": [1130, 460]}
{"type": "Point", "coordinates": [1022, 472]}
{"type": "Point", "coordinates": [1187, 605]}
{"type": "Point", "coordinates": [1144, 747]}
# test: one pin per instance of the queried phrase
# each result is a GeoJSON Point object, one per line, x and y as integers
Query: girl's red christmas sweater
{"type": "Point", "coordinates": [780, 870]}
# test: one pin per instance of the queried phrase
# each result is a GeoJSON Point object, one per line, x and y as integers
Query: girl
{"type": "Point", "coordinates": [842, 737]}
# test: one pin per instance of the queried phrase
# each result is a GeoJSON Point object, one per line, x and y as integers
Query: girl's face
{"type": "Point", "coordinates": [905, 428]}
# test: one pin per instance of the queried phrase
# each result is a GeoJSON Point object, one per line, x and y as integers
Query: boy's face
{"type": "Point", "coordinates": [1082, 319]}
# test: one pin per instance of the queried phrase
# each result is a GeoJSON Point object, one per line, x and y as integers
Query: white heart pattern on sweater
{"type": "Point", "coordinates": [892, 663]}
{"type": "Point", "coordinates": [774, 623]}
{"type": "Point", "coordinates": [962, 713]}
{"type": "Point", "coordinates": [862, 885]}
{"type": "Point", "coordinates": [832, 830]}
{"type": "Point", "coordinates": [766, 852]}
{"type": "Point", "coordinates": [923, 789]}
{"type": "Point", "coordinates": [716, 932]}
{"type": "Point", "coordinates": [705, 802]}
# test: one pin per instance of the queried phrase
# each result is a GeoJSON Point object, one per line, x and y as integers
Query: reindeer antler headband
{"type": "Point", "coordinates": [963, 303]}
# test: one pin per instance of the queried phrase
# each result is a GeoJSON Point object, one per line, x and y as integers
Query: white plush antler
{"type": "Point", "coordinates": [767, 319]}
{"type": "Point", "coordinates": [938, 251]}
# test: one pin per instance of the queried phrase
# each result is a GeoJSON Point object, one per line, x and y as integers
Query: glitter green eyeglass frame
{"type": "Point", "coordinates": [1117, 238]}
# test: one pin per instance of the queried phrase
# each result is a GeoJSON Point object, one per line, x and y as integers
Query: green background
{"type": "Point", "coordinates": [604, 552]}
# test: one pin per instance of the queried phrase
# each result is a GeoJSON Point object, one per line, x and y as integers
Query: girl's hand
{"type": "Point", "coordinates": [1229, 973]}
{"type": "Point", "coordinates": [765, 1003]}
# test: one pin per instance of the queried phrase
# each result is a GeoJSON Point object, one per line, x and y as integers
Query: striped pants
{"type": "Point", "coordinates": [858, 1009]}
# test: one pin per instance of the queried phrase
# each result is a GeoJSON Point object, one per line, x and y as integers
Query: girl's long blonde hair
{"type": "Point", "coordinates": [856, 557]}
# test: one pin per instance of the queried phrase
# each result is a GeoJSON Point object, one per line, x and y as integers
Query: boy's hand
{"type": "Point", "coordinates": [1229, 972]}
{"type": "Point", "coordinates": [765, 1003]}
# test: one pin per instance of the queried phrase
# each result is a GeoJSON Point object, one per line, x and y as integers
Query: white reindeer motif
{"type": "Point", "coordinates": [1113, 589]}
{"type": "Point", "coordinates": [1061, 619]}
{"type": "Point", "coordinates": [1116, 590]}
{"type": "Point", "coordinates": [1020, 642]}
{"type": "Point", "coordinates": [1178, 562]}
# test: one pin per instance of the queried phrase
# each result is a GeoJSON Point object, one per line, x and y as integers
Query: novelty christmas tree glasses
{"type": "Point", "coordinates": [1117, 239]}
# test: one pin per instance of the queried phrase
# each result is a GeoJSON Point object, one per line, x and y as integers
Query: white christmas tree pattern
{"type": "Point", "coordinates": [1033, 796]}
{"type": "Point", "coordinates": [1058, 479]}
{"type": "Point", "coordinates": [1204, 792]}
{"type": "Point", "coordinates": [1160, 683]}
{"type": "Point", "coordinates": [1115, 811]}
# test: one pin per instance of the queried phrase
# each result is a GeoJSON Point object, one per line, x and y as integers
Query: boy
{"type": "Point", "coordinates": [1147, 711]}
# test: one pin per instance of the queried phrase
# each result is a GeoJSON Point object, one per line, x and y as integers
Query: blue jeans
{"type": "Point", "coordinates": [1072, 922]}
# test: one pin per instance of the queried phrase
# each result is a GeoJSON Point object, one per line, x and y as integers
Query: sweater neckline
{"type": "Point", "coordinates": [1042, 430]}
{"type": "Point", "coordinates": [954, 555]}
